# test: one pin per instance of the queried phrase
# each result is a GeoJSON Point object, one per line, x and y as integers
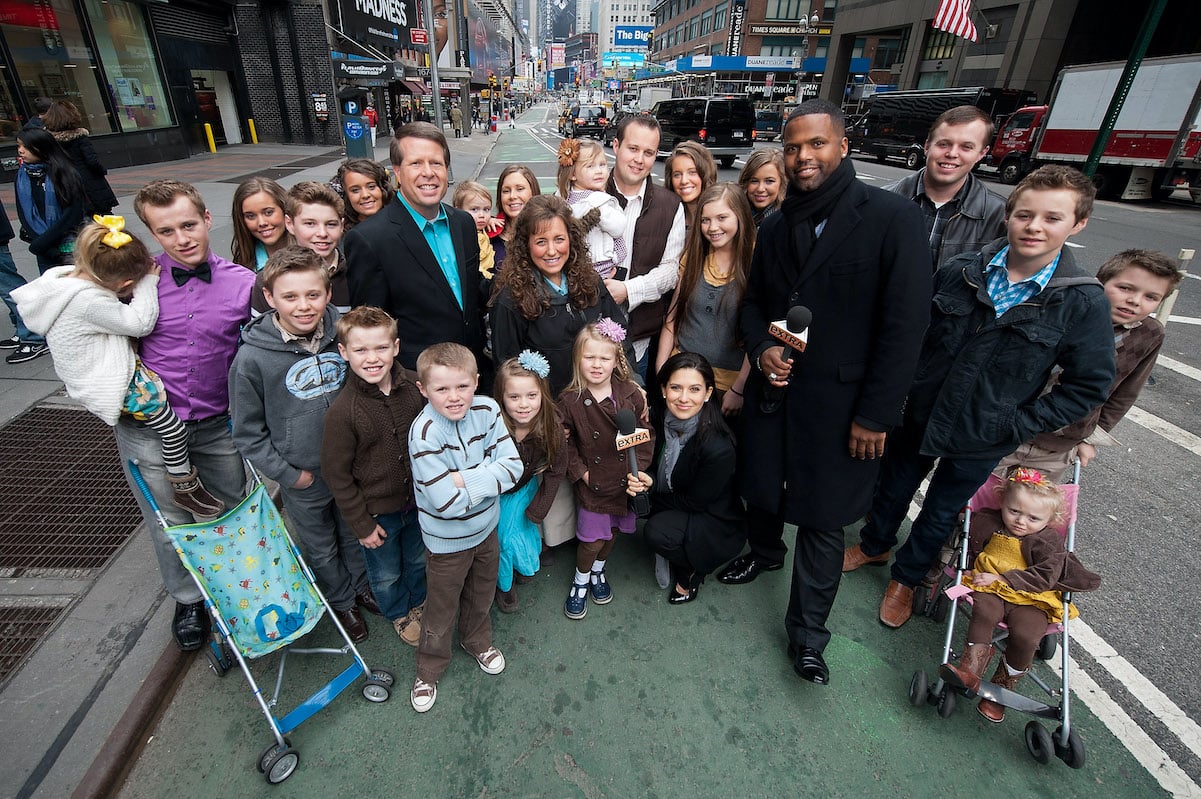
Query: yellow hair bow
{"type": "Point", "coordinates": [116, 236]}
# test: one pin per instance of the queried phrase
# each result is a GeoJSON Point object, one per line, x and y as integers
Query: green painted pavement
{"type": "Point", "coordinates": [639, 699]}
{"type": "Point", "coordinates": [520, 147]}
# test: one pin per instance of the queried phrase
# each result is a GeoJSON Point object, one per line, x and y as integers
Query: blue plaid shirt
{"type": "Point", "coordinates": [1003, 293]}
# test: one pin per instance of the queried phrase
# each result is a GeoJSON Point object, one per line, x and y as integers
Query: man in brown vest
{"type": "Point", "coordinates": [654, 233]}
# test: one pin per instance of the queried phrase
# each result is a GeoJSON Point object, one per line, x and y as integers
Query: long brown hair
{"type": "Point", "coordinates": [368, 169]}
{"type": "Point", "coordinates": [244, 240]}
{"type": "Point", "coordinates": [525, 172]}
{"type": "Point", "coordinates": [702, 159]}
{"type": "Point", "coordinates": [697, 249]}
{"type": "Point", "coordinates": [545, 426]}
{"type": "Point", "coordinates": [522, 278]}
{"type": "Point", "coordinates": [756, 161]}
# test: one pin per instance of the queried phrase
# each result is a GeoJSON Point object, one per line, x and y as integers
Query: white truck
{"type": "Point", "coordinates": [1155, 145]}
{"type": "Point", "coordinates": [648, 96]}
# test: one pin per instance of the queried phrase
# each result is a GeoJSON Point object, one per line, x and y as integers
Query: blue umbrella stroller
{"type": "Point", "coordinates": [950, 596]}
{"type": "Point", "coordinates": [262, 597]}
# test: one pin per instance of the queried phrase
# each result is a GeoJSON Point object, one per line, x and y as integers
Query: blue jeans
{"type": "Point", "coordinates": [901, 473]}
{"type": "Point", "coordinates": [11, 279]}
{"type": "Point", "coordinates": [396, 570]}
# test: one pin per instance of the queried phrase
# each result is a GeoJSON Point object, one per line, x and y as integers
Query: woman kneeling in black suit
{"type": "Point", "coordinates": [696, 519]}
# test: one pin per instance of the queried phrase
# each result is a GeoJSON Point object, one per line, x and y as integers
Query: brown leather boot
{"type": "Point", "coordinates": [191, 495]}
{"type": "Point", "coordinates": [966, 676]}
{"type": "Point", "coordinates": [991, 710]}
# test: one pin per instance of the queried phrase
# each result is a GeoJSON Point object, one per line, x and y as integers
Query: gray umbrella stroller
{"type": "Point", "coordinates": [262, 597]}
{"type": "Point", "coordinates": [950, 596]}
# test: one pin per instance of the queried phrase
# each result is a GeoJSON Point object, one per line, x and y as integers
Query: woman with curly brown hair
{"type": "Point", "coordinates": [547, 290]}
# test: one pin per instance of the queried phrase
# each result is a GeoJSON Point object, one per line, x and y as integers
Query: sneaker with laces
{"type": "Point", "coordinates": [27, 352]}
{"type": "Point", "coordinates": [602, 594]}
{"type": "Point", "coordinates": [576, 606]}
{"type": "Point", "coordinates": [10, 343]}
{"type": "Point", "coordinates": [491, 660]}
{"type": "Point", "coordinates": [423, 695]}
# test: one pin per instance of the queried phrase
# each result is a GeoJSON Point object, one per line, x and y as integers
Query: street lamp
{"type": "Point", "coordinates": [808, 25]}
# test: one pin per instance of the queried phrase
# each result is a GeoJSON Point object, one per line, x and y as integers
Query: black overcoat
{"type": "Point", "coordinates": [391, 266]}
{"type": "Point", "coordinates": [867, 282]}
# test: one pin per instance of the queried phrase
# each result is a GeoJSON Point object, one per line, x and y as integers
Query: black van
{"type": "Point", "coordinates": [725, 125]}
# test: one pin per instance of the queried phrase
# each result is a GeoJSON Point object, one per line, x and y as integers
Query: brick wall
{"type": "Point", "coordinates": [285, 59]}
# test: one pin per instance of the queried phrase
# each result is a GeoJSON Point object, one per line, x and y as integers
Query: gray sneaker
{"type": "Point", "coordinates": [10, 343]}
{"type": "Point", "coordinates": [27, 352]}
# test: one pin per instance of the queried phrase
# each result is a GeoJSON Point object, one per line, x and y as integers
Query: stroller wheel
{"type": "Point", "coordinates": [269, 752]}
{"type": "Point", "coordinates": [1038, 742]}
{"type": "Point", "coordinates": [1073, 753]}
{"type": "Point", "coordinates": [1046, 647]}
{"type": "Point", "coordinates": [218, 660]}
{"type": "Point", "coordinates": [921, 595]}
{"type": "Point", "coordinates": [384, 676]}
{"type": "Point", "coordinates": [376, 691]}
{"type": "Point", "coordinates": [281, 765]}
{"type": "Point", "coordinates": [919, 686]}
{"type": "Point", "coordinates": [946, 702]}
{"type": "Point", "coordinates": [941, 606]}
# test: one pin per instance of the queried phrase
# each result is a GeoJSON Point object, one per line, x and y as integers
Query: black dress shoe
{"type": "Point", "coordinates": [353, 623]}
{"type": "Point", "coordinates": [366, 600]}
{"type": "Point", "coordinates": [809, 664]}
{"type": "Point", "coordinates": [745, 569]}
{"type": "Point", "coordinates": [679, 599]}
{"type": "Point", "coordinates": [190, 625]}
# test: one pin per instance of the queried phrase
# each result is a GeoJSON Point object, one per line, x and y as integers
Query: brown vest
{"type": "Point", "coordinates": [650, 238]}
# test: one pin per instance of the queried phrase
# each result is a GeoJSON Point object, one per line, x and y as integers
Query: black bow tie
{"type": "Point", "coordinates": [203, 272]}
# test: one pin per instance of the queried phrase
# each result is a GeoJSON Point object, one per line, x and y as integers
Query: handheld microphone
{"type": "Point", "coordinates": [793, 332]}
{"type": "Point", "coordinates": [629, 435]}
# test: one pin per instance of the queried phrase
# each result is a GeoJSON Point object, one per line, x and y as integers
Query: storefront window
{"type": "Point", "coordinates": [52, 58]}
{"type": "Point", "coordinates": [10, 114]}
{"type": "Point", "coordinates": [134, 82]}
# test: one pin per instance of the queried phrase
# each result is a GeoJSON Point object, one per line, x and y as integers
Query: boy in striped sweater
{"type": "Point", "coordinates": [463, 459]}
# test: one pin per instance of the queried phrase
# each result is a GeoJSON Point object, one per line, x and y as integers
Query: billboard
{"type": "Point", "coordinates": [624, 59]}
{"type": "Point", "coordinates": [737, 18]}
{"type": "Point", "coordinates": [488, 48]}
{"type": "Point", "coordinates": [558, 56]}
{"type": "Point", "coordinates": [379, 23]}
{"type": "Point", "coordinates": [631, 35]}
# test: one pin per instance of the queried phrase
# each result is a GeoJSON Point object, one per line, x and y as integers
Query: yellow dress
{"type": "Point", "coordinates": [1004, 553]}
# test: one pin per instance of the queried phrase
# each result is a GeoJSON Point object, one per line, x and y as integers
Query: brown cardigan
{"type": "Point", "coordinates": [365, 451]}
{"type": "Point", "coordinates": [591, 435]}
{"type": "Point", "coordinates": [533, 458]}
{"type": "Point", "coordinates": [1051, 566]}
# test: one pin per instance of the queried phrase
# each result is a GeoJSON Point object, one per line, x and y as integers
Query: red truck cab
{"type": "Point", "coordinates": [1011, 151]}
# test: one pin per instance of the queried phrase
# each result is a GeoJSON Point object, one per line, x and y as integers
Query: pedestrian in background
{"type": "Point", "coordinates": [65, 123]}
{"type": "Point", "coordinates": [50, 198]}
{"type": "Point", "coordinates": [372, 121]}
{"type": "Point", "coordinates": [26, 344]}
{"type": "Point", "coordinates": [456, 120]}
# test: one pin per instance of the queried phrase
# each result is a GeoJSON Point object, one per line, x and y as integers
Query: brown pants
{"type": "Point", "coordinates": [458, 581]}
{"type": "Point", "coordinates": [1026, 624]}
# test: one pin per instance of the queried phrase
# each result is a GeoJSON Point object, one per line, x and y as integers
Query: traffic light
{"type": "Point", "coordinates": [650, 40]}
{"type": "Point", "coordinates": [506, 85]}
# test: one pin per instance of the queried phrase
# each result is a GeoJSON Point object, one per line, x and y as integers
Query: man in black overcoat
{"type": "Point", "coordinates": [418, 258]}
{"type": "Point", "coordinates": [857, 258]}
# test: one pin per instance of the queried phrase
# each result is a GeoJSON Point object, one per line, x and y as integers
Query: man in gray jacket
{"type": "Point", "coordinates": [961, 213]}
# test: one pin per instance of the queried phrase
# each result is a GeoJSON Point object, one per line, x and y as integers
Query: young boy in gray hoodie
{"type": "Point", "coordinates": [286, 374]}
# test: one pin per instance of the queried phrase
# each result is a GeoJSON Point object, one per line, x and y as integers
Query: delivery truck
{"type": "Point", "coordinates": [1156, 143]}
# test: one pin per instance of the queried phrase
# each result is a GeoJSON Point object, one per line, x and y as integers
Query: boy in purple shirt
{"type": "Point", "coordinates": [203, 302]}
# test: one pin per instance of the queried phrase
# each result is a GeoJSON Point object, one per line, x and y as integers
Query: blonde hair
{"type": "Point", "coordinates": [621, 369]}
{"type": "Point", "coordinates": [110, 266]}
{"type": "Point", "coordinates": [448, 354]}
{"type": "Point", "coordinates": [1036, 485]}
{"type": "Point", "coordinates": [469, 190]}
{"type": "Point", "coordinates": [588, 152]}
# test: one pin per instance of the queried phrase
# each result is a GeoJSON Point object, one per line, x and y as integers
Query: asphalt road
{"type": "Point", "coordinates": [1141, 503]}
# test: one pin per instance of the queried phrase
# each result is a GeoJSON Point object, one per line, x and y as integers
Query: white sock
{"type": "Point", "coordinates": [1012, 671]}
{"type": "Point", "coordinates": [581, 578]}
{"type": "Point", "coordinates": [598, 566]}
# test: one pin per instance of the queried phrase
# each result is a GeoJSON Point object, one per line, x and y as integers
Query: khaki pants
{"type": "Point", "coordinates": [457, 582]}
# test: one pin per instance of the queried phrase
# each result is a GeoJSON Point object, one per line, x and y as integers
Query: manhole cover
{"type": "Point", "coordinates": [20, 630]}
{"type": "Point", "coordinates": [64, 502]}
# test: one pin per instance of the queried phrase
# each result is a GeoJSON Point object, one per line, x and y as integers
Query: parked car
{"type": "Point", "coordinates": [725, 125]}
{"type": "Point", "coordinates": [767, 125]}
{"type": "Point", "coordinates": [585, 120]}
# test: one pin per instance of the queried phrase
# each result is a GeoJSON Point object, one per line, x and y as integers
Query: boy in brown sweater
{"type": "Point", "coordinates": [365, 463]}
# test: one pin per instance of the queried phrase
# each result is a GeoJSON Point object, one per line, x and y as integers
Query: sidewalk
{"type": "Point", "coordinates": [107, 666]}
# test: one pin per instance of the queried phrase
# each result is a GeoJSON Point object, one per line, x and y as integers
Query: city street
{"type": "Point", "coordinates": [644, 699]}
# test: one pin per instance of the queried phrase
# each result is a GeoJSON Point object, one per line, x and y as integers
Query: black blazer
{"type": "Point", "coordinates": [391, 266]}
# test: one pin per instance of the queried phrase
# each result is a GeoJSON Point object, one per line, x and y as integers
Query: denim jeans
{"type": "Point", "coordinates": [221, 469]}
{"type": "Point", "coordinates": [901, 473]}
{"type": "Point", "coordinates": [11, 279]}
{"type": "Point", "coordinates": [396, 570]}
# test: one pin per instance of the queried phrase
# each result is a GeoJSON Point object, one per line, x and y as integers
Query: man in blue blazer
{"type": "Point", "coordinates": [418, 258]}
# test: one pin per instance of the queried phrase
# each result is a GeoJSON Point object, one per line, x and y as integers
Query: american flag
{"type": "Point", "coordinates": [954, 17]}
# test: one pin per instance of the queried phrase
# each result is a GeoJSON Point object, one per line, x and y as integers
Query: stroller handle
{"type": "Point", "coordinates": [136, 473]}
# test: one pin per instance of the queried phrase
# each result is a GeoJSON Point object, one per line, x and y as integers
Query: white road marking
{"type": "Point", "coordinates": [1074, 244]}
{"type": "Point", "coordinates": [1185, 320]}
{"type": "Point", "coordinates": [1178, 367]}
{"type": "Point", "coordinates": [1194, 277]}
{"type": "Point", "coordinates": [1139, 686]}
{"type": "Point", "coordinates": [1156, 761]}
{"type": "Point", "coordinates": [1166, 429]}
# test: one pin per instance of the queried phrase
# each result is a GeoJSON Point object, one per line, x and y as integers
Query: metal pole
{"type": "Point", "coordinates": [1150, 22]}
{"type": "Point", "coordinates": [427, 10]}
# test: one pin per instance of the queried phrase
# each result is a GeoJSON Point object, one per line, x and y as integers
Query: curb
{"type": "Point", "coordinates": [121, 749]}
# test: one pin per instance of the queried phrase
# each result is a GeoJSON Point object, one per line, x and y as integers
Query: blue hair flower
{"type": "Point", "coordinates": [535, 362]}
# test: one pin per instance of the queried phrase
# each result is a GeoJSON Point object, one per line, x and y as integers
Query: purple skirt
{"type": "Point", "coordinates": [592, 526]}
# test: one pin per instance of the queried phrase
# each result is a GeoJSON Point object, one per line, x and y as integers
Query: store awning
{"type": "Point", "coordinates": [415, 87]}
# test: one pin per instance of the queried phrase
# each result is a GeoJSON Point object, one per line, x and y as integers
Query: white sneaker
{"type": "Point", "coordinates": [491, 660]}
{"type": "Point", "coordinates": [423, 695]}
